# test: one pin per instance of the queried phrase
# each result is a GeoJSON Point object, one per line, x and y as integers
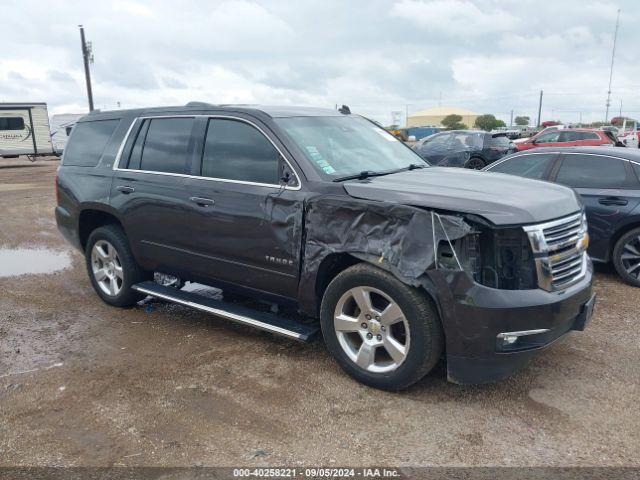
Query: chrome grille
{"type": "Point", "coordinates": [559, 248]}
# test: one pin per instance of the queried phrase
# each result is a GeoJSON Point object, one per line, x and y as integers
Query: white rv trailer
{"type": "Point", "coordinates": [61, 126]}
{"type": "Point", "coordinates": [24, 130]}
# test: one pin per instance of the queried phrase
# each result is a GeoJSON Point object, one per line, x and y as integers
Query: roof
{"type": "Point", "coordinates": [621, 152]}
{"type": "Point", "coordinates": [23, 104]}
{"type": "Point", "coordinates": [443, 112]}
{"type": "Point", "coordinates": [202, 107]}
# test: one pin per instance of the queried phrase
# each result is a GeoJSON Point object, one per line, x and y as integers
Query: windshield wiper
{"type": "Point", "coordinates": [370, 173]}
{"type": "Point", "coordinates": [415, 166]}
{"type": "Point", "coordinates": [360, 176]}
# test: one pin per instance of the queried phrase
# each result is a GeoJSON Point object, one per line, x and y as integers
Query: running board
{"type": "Point", "coordinates": [237, 313]}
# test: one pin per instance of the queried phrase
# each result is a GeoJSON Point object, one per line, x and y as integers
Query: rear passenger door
{"type": "Point", "coordinates": [609, 191]}
{"type": "Point", "coordinates": [246, 222]}
{"type": "Point", "coordinates": [149, 190]}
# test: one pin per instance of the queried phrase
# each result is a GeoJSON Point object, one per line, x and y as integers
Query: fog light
{"type": "Point", "coordinates": [508, 340]}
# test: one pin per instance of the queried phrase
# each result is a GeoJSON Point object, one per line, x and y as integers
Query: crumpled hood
{"type": "Point", "coordinates": [501, 199]}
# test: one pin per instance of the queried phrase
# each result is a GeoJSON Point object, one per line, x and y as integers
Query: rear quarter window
{"type": "Point", "coordinates": [88, 142]}
{"type": "Point", "coordinates": [501, 141]}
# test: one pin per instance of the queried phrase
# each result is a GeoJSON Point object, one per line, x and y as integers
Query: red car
{"type": "Point", "coordinates": [570, 137]}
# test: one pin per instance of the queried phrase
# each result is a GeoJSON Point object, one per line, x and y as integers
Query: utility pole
{"type": "Point", "coordinates": [539, 108]}
{"type": "Point", "coordinates": [511, 121]}
{"type": "Point", "coordinates": [406, 115]}
{"type": "Point", "coordinates": [613, 54]}
{"type": "Point", "coordinates": [87, 56]}
{"type": "Point", "coordinates": [620, 108]}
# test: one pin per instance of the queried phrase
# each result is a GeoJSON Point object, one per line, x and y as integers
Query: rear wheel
{"type": "Point", "coordinates": [626, 257]}
{"type": "Point", "coordinates": [475, 163]}
{"type": "Point", "coordinates": [111, 266]}
{"type": "Point", "coordinates": [382, 332]}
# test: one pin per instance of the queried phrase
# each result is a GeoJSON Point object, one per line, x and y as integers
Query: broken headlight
{"type": "Point", "coordinates": [497, 258]}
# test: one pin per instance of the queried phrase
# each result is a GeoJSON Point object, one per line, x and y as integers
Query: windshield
{"type": "Point", "coordinates": [340, 146]}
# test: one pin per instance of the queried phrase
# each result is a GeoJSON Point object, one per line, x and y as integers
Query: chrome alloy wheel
{"type": "Point", "coordinates": [631, 257]}
{"type": "Point", "coordinates": [106, 268]}
{"type": "Point", "coordinates": [371, 329]}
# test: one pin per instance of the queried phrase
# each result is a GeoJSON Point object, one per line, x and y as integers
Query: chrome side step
{"type": "Point", "coordinates": [230, 311]}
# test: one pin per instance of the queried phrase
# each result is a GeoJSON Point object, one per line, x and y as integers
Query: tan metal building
{"type": "Point", "coordinates": [434, 116]}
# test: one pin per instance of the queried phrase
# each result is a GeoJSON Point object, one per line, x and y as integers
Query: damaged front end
{"type": "Point", "coordinates": [487, 281]}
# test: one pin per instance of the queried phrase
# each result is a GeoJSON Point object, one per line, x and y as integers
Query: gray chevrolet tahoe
{"type": "Point", "coordinates": [400, 265]}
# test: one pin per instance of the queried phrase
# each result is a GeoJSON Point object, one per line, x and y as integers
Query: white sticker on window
{"type": "Point", "coordinates": [316, 156]}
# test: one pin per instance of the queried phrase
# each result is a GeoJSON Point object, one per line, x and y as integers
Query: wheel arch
{"type": "Point", "coordinates": [93, 216]}
{"type": "Point", "coordinates": [622, 230]}
{"type": "Point", "coordinates": [331, 265]}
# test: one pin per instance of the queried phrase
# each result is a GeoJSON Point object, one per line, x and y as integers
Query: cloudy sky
{"type": "Point", "coordinates": [377, 56]}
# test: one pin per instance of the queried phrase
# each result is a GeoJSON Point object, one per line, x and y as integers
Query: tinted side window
{"type": "Point", "coordinates": [589, 136]}
{"type": "Point", "coordinates": [636, 167]}
{"type": "Point", "coordinates": [570, 136]}
{"type": "Point", "coordinates": [592, 171]}
{"type": "Point", "coordinates": [530, 166]}
{"type": "Point", "coordinates": [550, 137]}
{"type": "Point", "coordinates": [88, 141]}
{"type": "Point", "coordinates": [500, 142]}
{"type": "Point", "coordinates": [11, 123]}
{"type": "Point", "coordinates": [437, 140]}
{"type": "Point", "coordinates": [235, 150]}
{"type": "Point", "coordinates": [166, 145]}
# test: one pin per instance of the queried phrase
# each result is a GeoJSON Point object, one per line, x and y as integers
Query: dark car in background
{"type": "Point", "coordinates": [608, 180]}
{"type": "Point", "coordinates": [464, 148]}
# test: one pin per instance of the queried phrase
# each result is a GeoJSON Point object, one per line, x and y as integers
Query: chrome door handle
{"type": "Point", "coordinates": [612, 201]}
{"type": "Point", "coordinates": [203, 202]}
{"type": "Point", "coordinates": [125, 189]}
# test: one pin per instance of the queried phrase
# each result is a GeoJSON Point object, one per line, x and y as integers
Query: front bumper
{"type": "Point", "coordinates": [473, 316]}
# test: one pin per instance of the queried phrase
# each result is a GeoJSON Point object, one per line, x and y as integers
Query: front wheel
{"type": "Point", "coordinates": [111, 266]}
{"type": "Point", "coordinates": [626, 257]}
{"type": "Point", "coordinates": [382, 332]}
{"type": "Point", "coordinates": [475, 163]}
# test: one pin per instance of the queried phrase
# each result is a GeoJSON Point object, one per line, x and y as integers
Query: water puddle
{"type": "Point", "coordinates": [26, 261]}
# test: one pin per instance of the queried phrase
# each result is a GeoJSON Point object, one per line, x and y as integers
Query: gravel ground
{"type": "Point", "coordinates": [85, 384]}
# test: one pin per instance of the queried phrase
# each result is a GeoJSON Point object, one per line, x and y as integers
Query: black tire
{"type": "Point", "coordinates": [628, 244]}
{"type": "Point", "coordinates": [131, 271]}
{"type": "Point", "coordinates": [426, 336]}
{"type": "Point", "coordinates": [475, 163]}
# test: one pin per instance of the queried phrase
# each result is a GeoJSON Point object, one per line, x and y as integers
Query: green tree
{"type": "Point", "coordinates": [453, 122]}
{"type": "Point", "coordinates": [488, 122]}
{"type": "Point", "coordinates": [523, 121]}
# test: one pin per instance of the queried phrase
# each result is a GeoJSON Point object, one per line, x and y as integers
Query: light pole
{"type": "Point", "coordinates": [613, 54]}
{"type": "Point", "coordinates": [87, 56]}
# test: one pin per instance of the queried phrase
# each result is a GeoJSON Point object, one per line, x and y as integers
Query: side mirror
{"type": "Point", "coordinates": [412, 138]}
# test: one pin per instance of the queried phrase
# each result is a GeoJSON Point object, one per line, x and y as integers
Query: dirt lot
{"type": "Point", "coordinates": [82, 383]}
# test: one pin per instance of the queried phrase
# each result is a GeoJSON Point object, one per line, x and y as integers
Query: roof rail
{"type": "Point", "coordinates": [199, 104]}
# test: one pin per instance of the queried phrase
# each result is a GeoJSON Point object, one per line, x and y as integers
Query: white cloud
{"type": "Point", "coordinates": [485, 55]}
{"type": "Point", "coordinates": [455, 17]}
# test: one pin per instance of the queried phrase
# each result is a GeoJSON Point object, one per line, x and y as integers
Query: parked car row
{"type": "Point", "coordinates": [608, 182]}
{"type": "Point", "coordinates": [464, 148]}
